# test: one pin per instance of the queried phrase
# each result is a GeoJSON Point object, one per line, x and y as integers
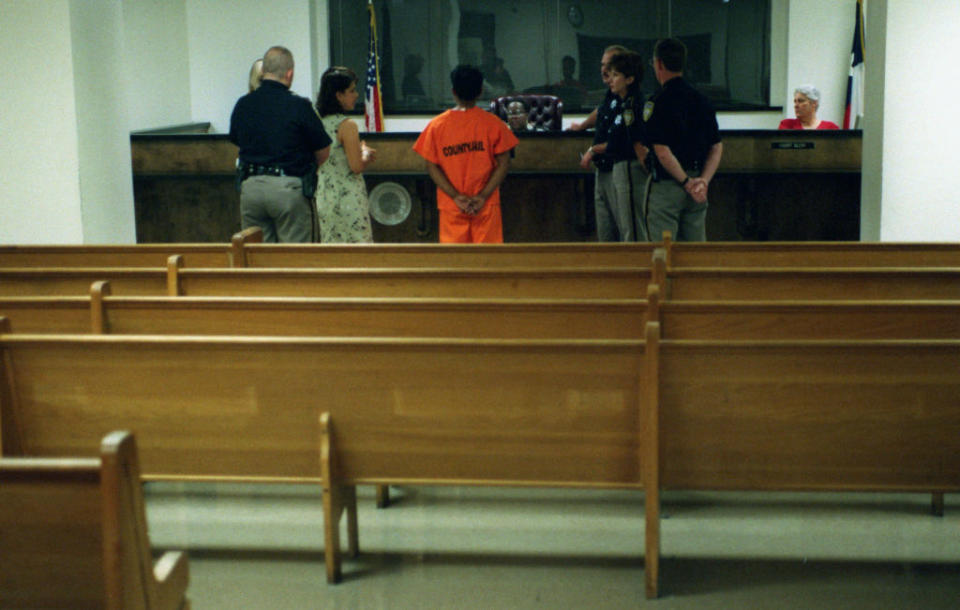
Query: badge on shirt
{"type": "Point", "coordinates": [647, 110]}
{"type": "Point", "coordinates": [613, 104]}
{"type": "Point", "coordinates": [628, 116]}
{"type": "Point", "coordinates": [617, 120]}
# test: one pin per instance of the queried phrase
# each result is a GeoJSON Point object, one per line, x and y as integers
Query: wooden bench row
{"type": "Point", "coordinates": [613, 420]}
{"type": "Point", "coordinates": [448, 282]}
{"type": "Point", "coordinates": [706, 283]}
{"type": "Point", "coordinates": [102, 313]}
{"type": "Point", "coordinates": [73, 534]}
{"type": "Point", "coordinates": [625, 413]}
{"type": "Point", "coordinates": [245, 250]}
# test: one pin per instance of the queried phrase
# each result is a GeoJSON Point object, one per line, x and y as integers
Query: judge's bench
{"type": "Point", "coordinates": [771, 186]}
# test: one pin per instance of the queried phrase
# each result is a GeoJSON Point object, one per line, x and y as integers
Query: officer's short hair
{"type": "Point", "coordinates": [810, 92]}
{"type": "Point", "coordinates": [467, 82]}
{"type": "Point", "coordinates": [277, 61]}
{"type": "Point", "coordinates": [672, 53]}
{"type": "Point", "coordinates": [615, 48]}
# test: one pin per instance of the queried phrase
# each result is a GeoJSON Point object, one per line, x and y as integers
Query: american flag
{"type": "Point", "coordinates": [373, 103]}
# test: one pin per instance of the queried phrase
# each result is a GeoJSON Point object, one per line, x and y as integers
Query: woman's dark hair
{"type": "Point", "coordinates": [335, 80]}
{"type": "Point", "coordinates": [629, 64]}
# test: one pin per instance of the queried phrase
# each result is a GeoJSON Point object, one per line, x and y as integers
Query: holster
{"type": "Point", "coordinates": [309, 183]}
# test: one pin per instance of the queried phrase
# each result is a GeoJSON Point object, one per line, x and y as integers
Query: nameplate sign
{"type": "Point", "coordinates": [791, 145]}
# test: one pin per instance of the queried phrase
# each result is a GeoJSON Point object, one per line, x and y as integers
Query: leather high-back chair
{"type": "Point", "coordinates": [545, 111]}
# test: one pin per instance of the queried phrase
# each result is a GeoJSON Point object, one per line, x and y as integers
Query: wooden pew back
{"type": "Point", "coordinates": [815, 415]}
{"type": "Point", "coordinates": [247, 250]}
{"type": "Point", "coordinates": [292, 316]}
{"type": "Point", "coordinates": [595, 282]}
{"type": "Point", "coordinates": [73, 532]}
{"type": "Point", "coordinates": [808, 284]}
{"type": "Point", "coordinates": [770, 320]}
{"type": "Point", "coordinates": [812, 254]}
{"type": "Point", "coordinates": [489, 256]}
{"type": "Point", "coordinates": [414, 410]}
{"type": "Point", "coordinates": [140, 255]}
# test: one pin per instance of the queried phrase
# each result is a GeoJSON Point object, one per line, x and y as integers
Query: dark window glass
{"type": "Point", "coordinates": [551, 46]}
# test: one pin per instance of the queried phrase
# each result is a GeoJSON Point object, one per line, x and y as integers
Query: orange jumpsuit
{"type": "Point", "coordinates": [464, 144]}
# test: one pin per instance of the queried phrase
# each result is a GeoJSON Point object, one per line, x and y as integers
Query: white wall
{"type": "Point", "coordinates": [106, 176]}
{"type": "Point", "coordinates": [919, 185]}
{"type": "Point", "coordinates": [157, 61]}
{"type": "Point", "coordinates": [39, 163]}
{"type": "Point", "coordinates": [224, 39]}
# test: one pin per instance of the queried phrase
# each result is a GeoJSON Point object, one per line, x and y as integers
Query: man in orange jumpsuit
{"type": "Point", "coordinates": [467, 152]}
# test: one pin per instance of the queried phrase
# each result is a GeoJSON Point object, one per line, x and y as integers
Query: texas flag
{"type": "Point", "coordinates": [373, 103]}
{"type": "Point", "coordinates": [854, 111]}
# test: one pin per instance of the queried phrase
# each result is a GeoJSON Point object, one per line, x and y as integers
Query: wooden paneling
{"type": "Point", "coordinates": [771, 185]}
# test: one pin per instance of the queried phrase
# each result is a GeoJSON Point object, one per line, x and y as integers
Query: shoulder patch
{"type": "Point", "coordinates": [647, 110]}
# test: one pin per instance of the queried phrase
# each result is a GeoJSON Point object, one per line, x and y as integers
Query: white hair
{"type": "Point", "coordinates": [808, 91]}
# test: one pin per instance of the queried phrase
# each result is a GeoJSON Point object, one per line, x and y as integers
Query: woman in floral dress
{"type": "Point", "coordinates": [342, 204]}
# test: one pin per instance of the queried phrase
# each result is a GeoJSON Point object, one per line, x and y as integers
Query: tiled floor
{"type": "Point", "coordinates": [262, 547]}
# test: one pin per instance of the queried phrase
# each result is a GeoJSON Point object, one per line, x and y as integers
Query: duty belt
{"type": "Point", "coordinates": [250, 169]}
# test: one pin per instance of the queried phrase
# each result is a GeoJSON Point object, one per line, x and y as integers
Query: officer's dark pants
{"type": "Point", "coordinates": [276, 204]}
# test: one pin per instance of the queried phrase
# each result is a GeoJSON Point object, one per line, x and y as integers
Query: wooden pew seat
{"type": "Point", "coordinates": [73, 534]}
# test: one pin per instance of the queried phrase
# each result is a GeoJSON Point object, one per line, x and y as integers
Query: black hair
{"type": "Point", "coordinates": [629, 64]}
{"type": "Point", "coordinates": [335, 80]}
{"type": "Point", "coordinates": [467, 82]}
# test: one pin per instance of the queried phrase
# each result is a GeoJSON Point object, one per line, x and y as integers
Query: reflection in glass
{"type": "Point", "coordinates": [534, 47]}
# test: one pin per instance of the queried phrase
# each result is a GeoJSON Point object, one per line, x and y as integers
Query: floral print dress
{"type": "Point", "coordinates": [342, 205]}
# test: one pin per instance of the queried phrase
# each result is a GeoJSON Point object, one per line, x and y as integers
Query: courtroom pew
{"type": "Point", "coordinates": [906, 409]}
{"type": "Point", "coordinates": [563, 413]}
{"type": "Point", "coordinates": [811, 320]}
{"type": "Point", "coordinates": [73, 532]}
{"type": "Point", "coordinates": [447, 282]}
{"type": "Point", "coordinates": [810, 254]}
{"type": "Point", "coordinates": [115, 255]}
{"type": "Point", "coordinates": [707, 283]}
{"type": "Point", "coordinates": [803, 283]}
{"type": "Point", "coordinates": [247, 250]}
{"type": "Point", "coordinates": [823, 415]}
{"type": "Point", "coordinates": [298, 316]}
{"type": "Point", "coordinates": [482, 318]}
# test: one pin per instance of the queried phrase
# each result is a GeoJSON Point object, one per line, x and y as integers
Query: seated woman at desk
{"type": "Point", "coordinates": [806, 100]}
